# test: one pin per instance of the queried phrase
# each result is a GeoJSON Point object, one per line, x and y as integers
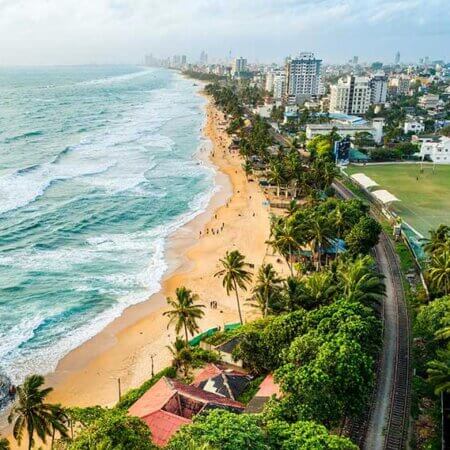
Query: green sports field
{"type": "Point", "coordinates": [425, 197]}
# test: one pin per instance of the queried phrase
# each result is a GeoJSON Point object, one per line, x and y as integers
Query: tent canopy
{"type": "Point", "coordinates": [384, 196]}
{"type": "Point", "coordinates": [364, 180]}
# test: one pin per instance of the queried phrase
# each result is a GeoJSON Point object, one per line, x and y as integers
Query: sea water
{"type": "Point", "coordinates": [97, 168]}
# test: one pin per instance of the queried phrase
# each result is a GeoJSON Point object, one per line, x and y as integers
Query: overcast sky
{"type": "Point", "coordinates": [115, 31]}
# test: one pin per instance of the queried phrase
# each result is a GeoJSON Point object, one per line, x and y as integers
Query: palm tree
{"type": "Point", "coordinates": [358, 281]}
{"type": "Point", "coordinates": [234, 275]}
{"type": "Point", "coordinates": [444, 332]}
{"type": "Point", "coordinates": [276, 175]}
{"type": "Point", "coordinates": [267, 288]}
{"type": "Point", "coordinates": [320, 234]}
{"type": "Point", "coordinates": [181, 355]}
{"type": "Point", "coordinates": [185, 312]}
{"type": "Point", "coordinates": [439, 271]}
{"type": "Point", "coordinates": [31, 413]}
{"type": "Point", "coordinates": [247, 168]}
{"type": "Point", "coordinates": [316, 290]}
{"type": "Point", "coordinates": [437, 239]}
{"type": "Point", "coordinates": [4, 444]}
{"type": "Point", "coordinates": [59, 416]}
{"type": "Point", "coordinates": [284, 239]}
{"type": "Point", "coordinates": [291, 293]}
{"type": "Point", "coordinates": [439, 372]}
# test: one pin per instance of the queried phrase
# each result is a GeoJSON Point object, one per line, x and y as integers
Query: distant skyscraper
{"type": "Point", "coordinates": [302, 77]}
{"type": "Point", "coordinates": [355, 60]}
{"type": "Point", "coordinates": [397, 57]}
{"type": "Point", "coordinates": [239, 65]}
{"type": "Point", "coordinates": [203, 58]}
{"type": "Point", "coordinates": [183, 60]}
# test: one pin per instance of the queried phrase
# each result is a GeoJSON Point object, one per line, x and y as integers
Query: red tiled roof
{"type": "Point", "coordinates": [154, 399]}
{"type": "Point", "coordinates": [211, 370]}
{"type": "Point", "coordinates": [268, 388]}
{"type": "Point", "coordinates": [164, 425]}
{"type": "Point", "coordinates": [204, 396]}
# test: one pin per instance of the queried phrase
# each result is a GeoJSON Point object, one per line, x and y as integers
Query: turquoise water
{"type": "Point", "coordinates": [97, 167]}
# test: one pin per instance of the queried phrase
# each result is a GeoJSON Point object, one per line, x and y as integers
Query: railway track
{"type": "Point", "coordinates": [385, 424]}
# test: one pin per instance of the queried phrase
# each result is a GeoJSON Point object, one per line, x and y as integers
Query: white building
{"type": "Point", "coordinates": [239, 65]}
{"type": "Point", "coordinates": [302, 77]}
{"type": "Point", "coordinates": [400, 84]}
{"type": "Point", "coordinates": [437, 149]}
{"type": "Point", "coordinates": [375, 129]}
{"type": "Point", "coordinates": [351, 95]}
{"type": "Point", "coordinates": [378, 88]}
{"type": "Point", "coordinates": [279, 84]}
{"type": "Point", "coordinates": [429, 101]}
{"type": "Point", "coordinates": [413, 126]}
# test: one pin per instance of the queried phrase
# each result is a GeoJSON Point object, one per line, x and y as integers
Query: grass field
{"type": "Point", "coordinates": [425, 197]}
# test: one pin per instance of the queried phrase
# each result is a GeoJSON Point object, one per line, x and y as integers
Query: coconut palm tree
{"type": "Point", "coordinates": [358, 281]}
{"type": "Point", "coordinates": [185, 311]}
{"type": "Point", "coordinates": [444, 332]}
{"type": "Point", "coordinates": [276, 175]}
{"type": "Point", "coordinates": [284, 239]}
{"type": "Point", "coordinates": [320, 234]}
{"type": "Point", "coordinates": [4, 444]}
{"type": "Point", "coordinates": [292, 289]}
{"type": "Point", "coordinates": [31, 413]}
{"type": "Point", "coordinates": [247, 168]}
{"type": "Point", "coordinates": [439, 271]}
{"type": "Point", "coordinates": [439, 372]}
{"type": "Point", "coordinates": [316, 290]}
{"type": "Point", "coordinates": [181, 355]}
{"type": "Point", "coordinates": [234, 275]}
{"type": "Point", "coordinates": [266, 289]}
{"type": "Point", "coordinates": [59, 416]}
{"type": "Point", "coordinates": [437, 239]}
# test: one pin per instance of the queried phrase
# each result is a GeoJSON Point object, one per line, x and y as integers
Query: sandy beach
{"type": "Point", "coordinates": [89, 374]}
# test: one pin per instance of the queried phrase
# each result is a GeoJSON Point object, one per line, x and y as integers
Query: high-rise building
{"type": "Point", "coordinates": [239, 65]}
{"type": "Point", "coordinates": [378, 88]}
{"type": "Point", "coordinates": [350, 95]}
{"type": "Point", "coordinates": [203, 58]}
{"type": "Point", "coordinates": [183, 60]}
{"type": "Point", "coordinates": [355, 60]}
{"type": "Point", "coordinates": [397, 57]}
{"type": "Point", "coordinates": [302, 77]}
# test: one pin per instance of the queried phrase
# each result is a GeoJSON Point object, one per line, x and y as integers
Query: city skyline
{"type": "Point", "coordinates": [121, 31]}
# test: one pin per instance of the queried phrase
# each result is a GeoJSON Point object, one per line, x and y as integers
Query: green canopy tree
{"type": "Point", "coordinates": [439, 272]}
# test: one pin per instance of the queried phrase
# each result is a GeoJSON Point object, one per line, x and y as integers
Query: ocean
{"type": "Point", "coordinates": [97, 167]}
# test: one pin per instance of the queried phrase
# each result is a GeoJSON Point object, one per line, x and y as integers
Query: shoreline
{"type": "Point", "coordinates": [88, 375]}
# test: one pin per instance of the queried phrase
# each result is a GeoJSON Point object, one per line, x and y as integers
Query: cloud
{"type": "Point", "coordinates": [84, 31]}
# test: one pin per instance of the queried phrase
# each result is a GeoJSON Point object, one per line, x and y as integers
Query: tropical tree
{"type": "Point", "coordinates": [316, 290]}
{"type": "Point", "coordinates": [439, 372]}
{"type": "Point", "coordinates": [4, 444]}
{"type": "Point", "coordinates": [247, 168]}
{"type": "Point", "coordinates": [320, 234]}
{"type": "Point", "coordinates": [358, 281]}
{"type": "Point", "coordinates": [439, 272]}
{"type": "Point", "coordinates": [181, 355]}
{"type": "Point", "coordinates": [267, 289]}
{"type": "Point", "coordinates": [437, 240]}
{"type": "Point", "coordinates": [276, 175]}
{"type": "Point", "coordinates": [185, 311]}
{"type": "Point", "coordinates": [32, 414]}
{"type": "Point", "coordinates": [234, 275]}
{"type": "Point", "coordinates": [284, 239]}
{"type": "Point", "coordinates": [292, 290]}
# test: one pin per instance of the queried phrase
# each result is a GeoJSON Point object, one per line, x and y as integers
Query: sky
{"type": "Point", "coordinates": [49, 32]}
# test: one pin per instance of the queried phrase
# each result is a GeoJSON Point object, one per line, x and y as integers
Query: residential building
{"type": "Point", "coordinates": [169, 404]}
{"type": "Point", "coordinates": [375, 129]}
{"type": "Point", "coordinates": [429, 101]}
{"type": "Point", "coordinates": [413, 126]}
{"type": "Point", "coordinates": [399, 85]}
{"type": "Point", "coordinates": [239, 66]}
{"type": "Point", "coordinates": [351, 95]}
{"type": "Point", "coordinates": [302, 78]}
{"type": "Point", "coordinates": [279, 84]}
{"type": "Point", "coordinates": [437, 148]}
{"type": "Point", "coordinates": [378, 88]}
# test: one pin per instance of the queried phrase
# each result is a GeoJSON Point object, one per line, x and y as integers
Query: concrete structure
{"type": "Point", "coordinates": [275, 83]}
{"type": "Point", "coordinates": [378, 88]}
{"type": "Point", "coordinates": [436, 148]}
{"type": "Point", "coordinates": [302, 78]}
{"type": "Point", "coordinates": [413, 126]}
{"type": "Point", "coordinates": [375, 129]}
{"type": "Point", "coordinates": [429, 101]}
{"type": "Point", "coordinates": [239, 66]}
{"type": "Point", "coordinates": [399, 85]}
{"type": "Point", "coordinates": [351, 95]}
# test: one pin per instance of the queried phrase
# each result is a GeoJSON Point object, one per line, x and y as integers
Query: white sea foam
{"type": "Point", "coordinates": [117, 78]}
